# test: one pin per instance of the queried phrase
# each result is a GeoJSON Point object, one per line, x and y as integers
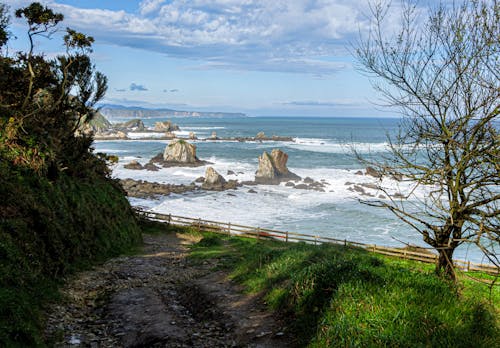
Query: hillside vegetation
{"type": "Point", "coordinates": [59, 209]}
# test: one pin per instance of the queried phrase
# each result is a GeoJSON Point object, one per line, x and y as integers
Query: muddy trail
{"type": "Point", "coordinates": [160, 298]}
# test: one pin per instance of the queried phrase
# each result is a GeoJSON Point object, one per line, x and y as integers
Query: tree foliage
{"type": "Point", "coordinates": [44, 102]}
{"type": "Point", "coordinates": [441, 72]}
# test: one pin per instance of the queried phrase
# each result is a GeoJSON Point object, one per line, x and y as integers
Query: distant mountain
{"type": "Point", "coordinates": [111, 110]}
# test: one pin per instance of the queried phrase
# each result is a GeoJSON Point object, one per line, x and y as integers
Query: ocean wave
{"type": "Point", "coordinates": [328, 146]}
{"type": "Point", "coordinates": [192, 128]}
{"type": "Point", "coordinates": [140, 135]}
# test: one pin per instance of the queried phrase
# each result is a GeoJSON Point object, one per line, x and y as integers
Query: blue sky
{"type": "Point", "coordinates": [279, 57]}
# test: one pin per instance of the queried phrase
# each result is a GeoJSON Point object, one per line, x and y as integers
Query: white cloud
{"type": "Point", "coordinates": [148, 6]}
{"type": "Point", "coordinates": [278, 35]}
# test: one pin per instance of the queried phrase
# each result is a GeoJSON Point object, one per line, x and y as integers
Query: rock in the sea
{"type": "Point", "coordinates": [230, 172]}
{"type": "Point", "coordinates": [213, 180]}
{"type": "Point", "coordinates": [213, 136]}
{"type": "Point", "coordinates": [151, 167]}
{"type": "Point", "coordinates": [145, 189]}
{"type": "Point", "coordinates": [359, 172]}
{"type": "Point", "coordinates": [260, 136]}
{"type": "Point", "coordinates": [166, 126]}
{"type": "Point", "coordinates": [192, 136]}
{"type": "Point", "coordinates": [373, 172]}
{"type": "Point", "coordinates": [133, 165]}
{"type": "Point", "coordinates": [133, 125]}
{"type": "Point", "coordinates": [180, 151]}
{"type": "Point", "coordinates": [290, 184]}
{"type": "Point", "coordinates": [170, 135]}
{"type": "Point", "coordinates": [272, 168]}
{"type": "Point", "coordinates": [252, 191]}
{"type": "Point", "coordinates": [308, 180]}
{"type": "Point", "coordinates": [200, 179]}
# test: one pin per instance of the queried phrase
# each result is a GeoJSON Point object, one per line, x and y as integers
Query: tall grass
{"type": "Point", "coordinates": [334, 296]}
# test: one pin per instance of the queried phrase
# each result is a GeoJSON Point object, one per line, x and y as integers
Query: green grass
{"type": "Point", "coordinates": [333, 296]}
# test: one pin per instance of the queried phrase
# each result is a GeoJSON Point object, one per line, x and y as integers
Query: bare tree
{"type": "Point", "coordinates": [441, 71]}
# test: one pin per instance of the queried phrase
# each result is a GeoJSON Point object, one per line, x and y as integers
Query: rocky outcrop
{"type": "Point", "coordinates": [178, 153]}
{"type": "Point", "coordinates": [260, 136]}
{"type": "Point", "coordinates": [166, 126]}
{"type": "Point", "coordinates": [373, 172]}
{"type": "Point", "coordinates": [213, 180]}
{"type": "Point", "coordinates": [309, 184]}
{"type": "Point", "coordinates": [213, 136]}
{"type": "Point", "coordinates": [119, 135]}
{"type": "Point", "coordinates": [272, 168]}
{"type": "Point", "coordinates": [133, 165]}
{"type": "Point", "coordinates": [216, 182]}
{"type": "Point", "coordinates": [192, 136]}
{"type": "Point", "coordinates": [145, 189]}
{"type": "Point", "coordinates": [133, 125]}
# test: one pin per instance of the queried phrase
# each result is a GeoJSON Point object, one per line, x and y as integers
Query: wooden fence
{"type": "Point", "coordinates": [229, 228]}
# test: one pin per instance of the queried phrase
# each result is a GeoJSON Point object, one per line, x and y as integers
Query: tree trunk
{"type": "Point", "coordinates": [444, 265]}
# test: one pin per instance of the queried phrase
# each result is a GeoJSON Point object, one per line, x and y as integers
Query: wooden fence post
{"type": "Point", "coordinates": [169, 219]}
{"type": "Point", "coordinates": [199, 224]}
{"type": "Point", "coordinates": [229, 228]}
{"type": "Point", "coordinates": [258, 232]}
{"type": "Point", "coordinates": [286, 237]}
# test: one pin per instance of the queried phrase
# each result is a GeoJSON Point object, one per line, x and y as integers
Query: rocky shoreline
{"type": "Point", "coordinates": [117, 136]}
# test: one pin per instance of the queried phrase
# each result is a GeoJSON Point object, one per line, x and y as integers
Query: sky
{"type": "Point", "coordinates": [260, 57]}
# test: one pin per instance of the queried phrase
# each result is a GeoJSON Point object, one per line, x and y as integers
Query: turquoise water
{"type": "Point", "coordinates": [322, 150]}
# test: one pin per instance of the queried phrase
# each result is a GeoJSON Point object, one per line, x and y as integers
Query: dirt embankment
{"type": "Point", "coordinates": [159, 298]}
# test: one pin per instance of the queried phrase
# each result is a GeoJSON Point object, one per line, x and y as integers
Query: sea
{"type": "Point", "coordinates": [323, 149]}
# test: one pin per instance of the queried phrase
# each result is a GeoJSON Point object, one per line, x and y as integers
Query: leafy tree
{"type": "Point", "coordinates": [442, 75]}
{"type": "Point", "coordinates": [4, 22]}
{"type": "Point", "coordinates": [44, 102]}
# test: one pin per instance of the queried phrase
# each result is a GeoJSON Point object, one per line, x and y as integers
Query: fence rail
{"type": "Point", "coordinates": [229, 228]}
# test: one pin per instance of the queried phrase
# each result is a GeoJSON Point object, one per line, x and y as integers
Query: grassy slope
{"type": "Point", "coordinates": [336, 296]}
{"type": "Point", "coordinates": [47, 230]}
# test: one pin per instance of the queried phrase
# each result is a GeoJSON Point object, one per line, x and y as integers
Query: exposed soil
{"type": "Point", "coordinates": [159, 298]}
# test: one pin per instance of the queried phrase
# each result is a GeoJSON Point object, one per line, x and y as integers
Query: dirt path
{"type": "Point", "coordinates": [160, 299]}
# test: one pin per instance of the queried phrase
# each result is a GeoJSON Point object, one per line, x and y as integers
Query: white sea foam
{"type": "Point", "coordinates": [335, 213]}
{"type": "Point", "coordinates": [193, 128]}
{"type": "Point", "coordinates": [327, 146]}
{"type": "Point", "coordinates": [140, 135]}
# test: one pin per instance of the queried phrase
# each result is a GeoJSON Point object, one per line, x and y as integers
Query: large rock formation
{"type": "Point", "coordinates": [213, 180]}
{"type": "Point", "coordinates": [178, 153]}
{"type": "Point", "coordinates": [132, 125]}
{"type": "Point", "coordinates": [272, 168]}
{"type": "Point", "coordinates": [166, 126]}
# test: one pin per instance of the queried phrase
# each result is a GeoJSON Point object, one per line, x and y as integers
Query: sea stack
{"type": "Point", "coordinates": [272, 168]}
{"type": "Point", "coordinates": [166, 126]}
{"type": "Point", "coordinates": [180, 151]}
{"type": "Point", "coordinates": [213, 180]}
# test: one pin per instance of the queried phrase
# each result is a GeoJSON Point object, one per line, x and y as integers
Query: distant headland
{"type": "Point", "coordinates": [111, 110]}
